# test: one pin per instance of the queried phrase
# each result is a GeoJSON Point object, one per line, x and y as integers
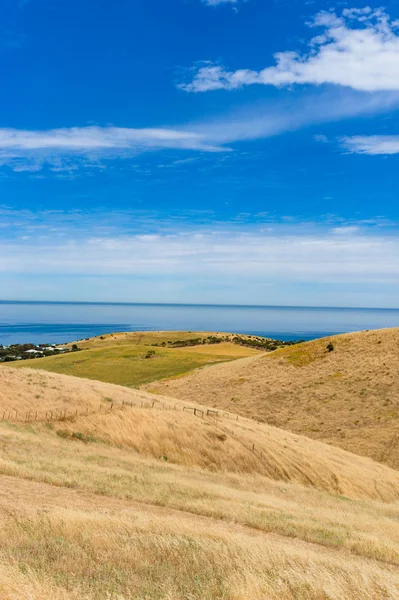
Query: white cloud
{"type": "Point", "coordinates": [274, 118]}
{"type": "Point", "coordinates": [372, 144]}
{"type": "Point", "coordinates": [86, 139]}
{"type": "Point", "coordinates": [359, 49]}
{"type": "Point", "coordinates": [196, 262]}
{"type": "Point", "coordinates": [218, 2]}
{"type": "Point", "coordinates": [68, 149]}
{"type": "Point", "coordinates": [275, 254]}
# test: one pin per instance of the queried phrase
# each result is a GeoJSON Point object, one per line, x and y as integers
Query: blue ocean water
{"type": "Point", "coordinates": [47, 322]}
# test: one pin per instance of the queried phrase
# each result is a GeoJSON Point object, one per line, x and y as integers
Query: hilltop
{"type": "Point", "coordinates": [348, 397]}
{"type": "Point", "coordinates": [107, 492]}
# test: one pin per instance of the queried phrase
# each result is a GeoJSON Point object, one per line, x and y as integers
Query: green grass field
{"type": "Point", "coordinates": [120, 358]}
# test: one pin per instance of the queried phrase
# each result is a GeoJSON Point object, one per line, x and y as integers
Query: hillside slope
{"type": "Point", "coordinates": [160, 503]}
{"type": "Point", "coordinates": [167, 429]}
{"type": "Point", "coordinates": [348, 397]}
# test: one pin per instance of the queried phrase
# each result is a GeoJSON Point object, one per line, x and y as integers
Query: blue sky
{"type": "Point", "coordinates": [200, 151]}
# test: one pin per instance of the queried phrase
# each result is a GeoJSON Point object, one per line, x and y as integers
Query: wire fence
{"type": "Point", "coordinates": [60, 415]}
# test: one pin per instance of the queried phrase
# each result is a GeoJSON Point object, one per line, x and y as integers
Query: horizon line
{"type": "Point", "coordinates": [102, 303]}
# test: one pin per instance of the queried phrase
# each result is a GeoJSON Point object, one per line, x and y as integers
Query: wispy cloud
{"type": "Point", "coordinates": [68, 148]}
{"type": "Point", "coordinates": [218, 2]}
{"type": "Point", "coordinates": [330, 251]}
{"type": "Point", "coordinates": [274, 118]}
{"type": "Point", "coordinates": [358, 49]}
{"type": "Point", "coordinates": [87, 139]}
{"type": "Point", "coordinates": [186, 256]}
{"type": "Point", "coordinates": [371, 144]}
{"type": "Point", "coordinates": [66, 151]}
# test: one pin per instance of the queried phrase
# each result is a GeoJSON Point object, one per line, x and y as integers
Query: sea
{"type": "Point", "coordinates": [58, 322]}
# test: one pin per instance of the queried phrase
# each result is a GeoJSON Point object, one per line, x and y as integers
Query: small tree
{"type": "Point", "coordinates": [330, 347]}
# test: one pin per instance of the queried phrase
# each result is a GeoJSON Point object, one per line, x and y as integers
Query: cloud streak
{"type": "Point", "coordinates": [272, 254]}
{"type": "Point", "coordinates": [191, 262]}
{"type": "Point", "coordinates": [68, 149]}
{"type": "Point", "coordinates": [275, 118]}
{"type": "Point", "coordinates": [371, 144]}
{"type": "Point", "coordinates": [88, 139]}
{"type": "Point", "coordinates": [218, 2]}
{"type": "Point", "coordinates": [359, 49]}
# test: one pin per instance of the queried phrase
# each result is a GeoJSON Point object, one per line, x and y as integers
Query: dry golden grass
{"type": "Point", "coordinates": [223, 349]}
{"type": "Point", "coordinates": [111, 524]}
{"type": "Point", "coordinates": [33, 390]}
{"type": "Point", "coordinates": [221, 444]}
{"type": "Point", "coordinates": [169, 432]}
{"type": "Point", "coordinates": [101, 515]}
{"type": "Point", "coordinates": [348, 397]}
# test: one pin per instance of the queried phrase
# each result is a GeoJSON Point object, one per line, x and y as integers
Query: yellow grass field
{"type": "Point", "coordinates": [135, 498]}
{"type": "Point", "coordinates": [348, 397]}
{"type": "Point", "coordinates": [167, 429]}
{"type": "Point", "coordinates": [120, 358]}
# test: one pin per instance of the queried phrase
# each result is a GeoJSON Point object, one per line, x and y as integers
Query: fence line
{"type": "Point", "coordinates": [63, 415]}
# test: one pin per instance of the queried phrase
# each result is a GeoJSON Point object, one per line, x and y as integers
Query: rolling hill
{"type": "Point", "coordinates": [348, 397]}
{"type": "Point", "coordinates": [185, 433]}
{"type": "Point", "coordinates": [108, 492]}
{"type": "Point", "coordinates": [135, 358]}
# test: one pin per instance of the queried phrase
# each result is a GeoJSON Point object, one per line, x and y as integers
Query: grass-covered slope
{"type": "Point", "coordinates": [157, 504]}
{"type": "Point", "coordinates": [123, 358]}
{"type": "Point", "coordinates": [167, 429]}
{"type": "Point", "coordinates": [348, 397]}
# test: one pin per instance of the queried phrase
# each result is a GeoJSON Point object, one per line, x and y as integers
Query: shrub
{"type": "Point", "coordinates": [330, 347]}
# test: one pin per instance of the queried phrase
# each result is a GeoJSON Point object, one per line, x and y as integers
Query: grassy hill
{"type": "Point", "coordinates": [120, 358]}
{"type": "Point", "coordinates": [348, 397]}
{"type": "Point", "coordinates": [157, 503]}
